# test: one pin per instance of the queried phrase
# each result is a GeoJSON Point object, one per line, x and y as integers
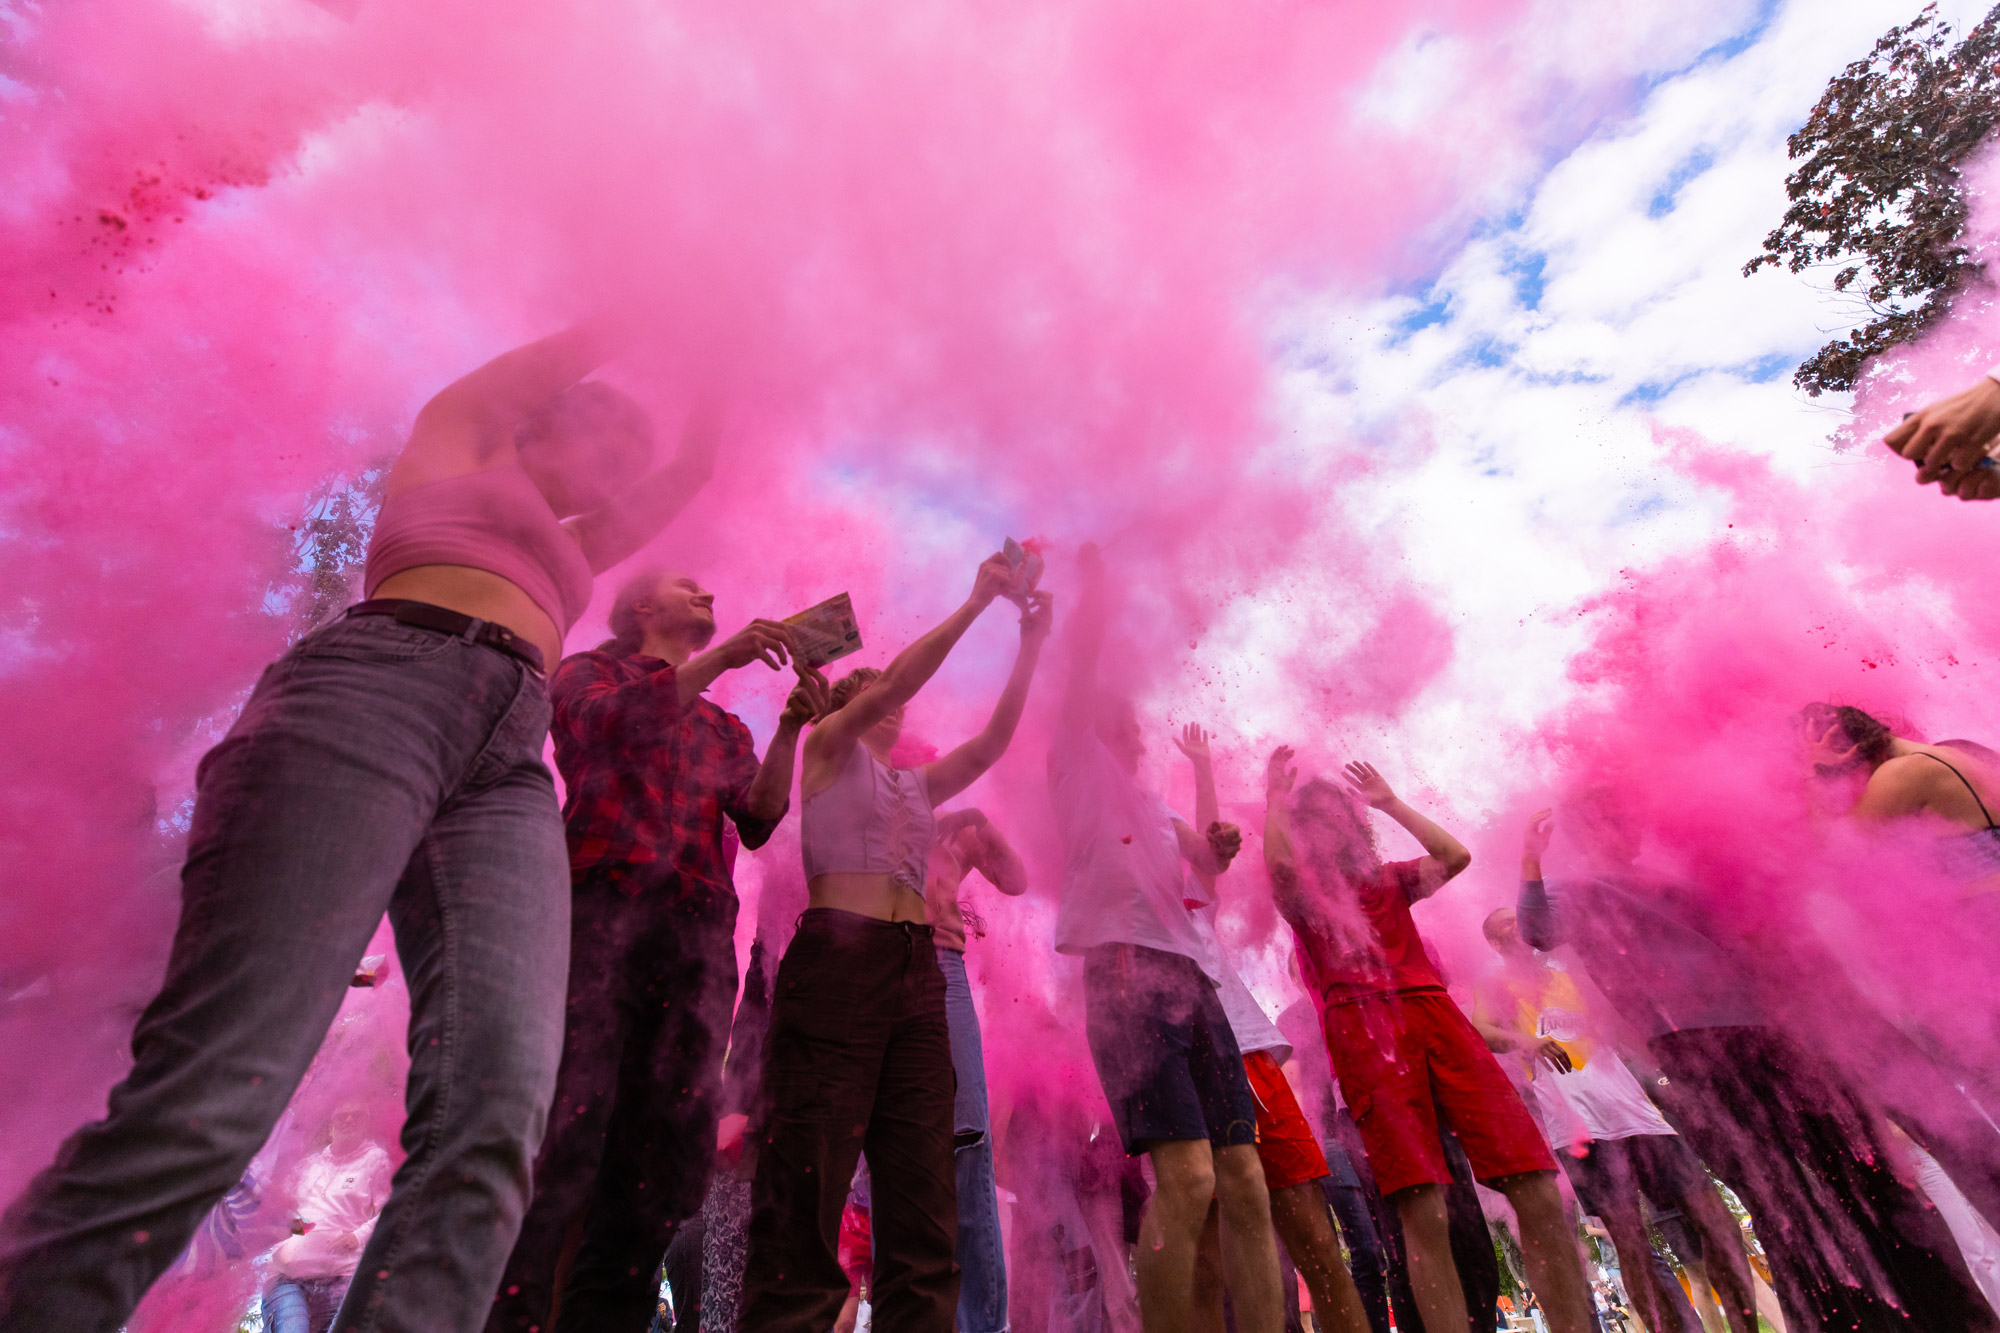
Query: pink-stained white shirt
{"type": "Point", "coordinates": [335, 1197]}
{"type": "Point", "coordinates": [1123, 878]}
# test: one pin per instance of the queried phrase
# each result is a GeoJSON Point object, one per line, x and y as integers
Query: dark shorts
{"type": "Point", "coordinates": [1609, 1171]}
{"type": "Point", "coordinates": [1163, 1049]}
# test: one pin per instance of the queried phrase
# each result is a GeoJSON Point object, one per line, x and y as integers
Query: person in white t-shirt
{"type": "Point", "coordinates": [1163, 1048]}
{"type": "Point", "coordinates": [337, 1193]}
{"type": "Point", "coordinates": [1612, 1141]}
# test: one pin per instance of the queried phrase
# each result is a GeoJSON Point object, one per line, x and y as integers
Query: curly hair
{"type": "Point", "coordinates": [852, 684]}
{"type": "Point", "coordinates": [1869, 735]}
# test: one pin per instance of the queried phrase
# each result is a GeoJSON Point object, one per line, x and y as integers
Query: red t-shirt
{"type": "Point", "coordinates": [1396, 963]}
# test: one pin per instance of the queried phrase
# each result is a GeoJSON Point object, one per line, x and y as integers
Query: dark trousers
{"type": "Point", "coordinates": [858, 1056]}
{"type": "Point", "coordinates": [631, 1136]}
{"type": "Point", "coordinates": [1851, 1247]}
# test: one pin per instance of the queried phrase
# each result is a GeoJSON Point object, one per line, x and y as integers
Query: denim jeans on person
{"type": "Point", "coordinates": [631, 1135]}
{"type": "Point", "coordinates": [303, 1304]}
{"type": "Point", "coordinates": [982, 1290]}
{"type": "Point", "coordinates": [858, 1056]}
{"type": "Point", "coordinates": [377, 766]}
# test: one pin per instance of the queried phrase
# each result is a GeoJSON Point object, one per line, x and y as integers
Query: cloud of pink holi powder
{"type": "Point", "coordinates": [953, 273]}
{"type": "Point", "coordinates": [1864, 592]}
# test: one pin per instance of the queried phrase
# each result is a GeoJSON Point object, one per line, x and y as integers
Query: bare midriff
{"type": "Point", "coordinates": [879, 896]}
{"type": "Point", "coordinates": [480, 593]}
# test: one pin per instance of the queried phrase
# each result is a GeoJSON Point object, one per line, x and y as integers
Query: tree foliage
{"type": "Point", "coordinates": [1879, 195]}
{"type": "Point", "coordinates": [328, 547]}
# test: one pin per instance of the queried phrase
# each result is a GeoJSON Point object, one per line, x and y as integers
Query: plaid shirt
{"type": "Point", "coordinates": [648, 778]}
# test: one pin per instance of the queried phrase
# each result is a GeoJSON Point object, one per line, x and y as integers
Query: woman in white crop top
{"type": "Point", "coordinates": [859, 1050]}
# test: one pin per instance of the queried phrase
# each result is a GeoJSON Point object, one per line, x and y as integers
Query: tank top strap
{"type": "Point", "coordinates": [1968, 785]}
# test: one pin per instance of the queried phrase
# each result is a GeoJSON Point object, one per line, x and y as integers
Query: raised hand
{"type": "Point", "coordinates": [809, 700]}
{"type": "Point", "coordinates": [764, 641]}
{"type": "Point", "coordinates": [995, 576]}
{"type": "Point", "coordinates": [1279, 775]}
{"type": "Point", "coordinates": [1193, 742]}
{"type": "Point", "coordinates": [1225, 840]}
{"type": "Point", "coordinates": [1369, 785]}
{"type": "Point", "coordinates": [1038, 617]}
{"type": "Point", "coordinates": [1535, 839]}
{"type": "Point", "coordinates": [1824, 749]}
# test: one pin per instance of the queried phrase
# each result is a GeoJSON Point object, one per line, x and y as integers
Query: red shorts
{"type": "Point", "coordinates": [1285, 1141]}
{"type": "Point", "coordinates": [1405, 1061]}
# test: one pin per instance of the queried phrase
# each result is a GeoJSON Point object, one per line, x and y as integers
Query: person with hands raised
{"type": "Point", "coordinates": [391, 761]}
{"type": "Point", "coordinates": [1289, 1152]}
{"type": "Point", "coordinates": [1405, 1055]}
{"type": "Point", "coordinates": [859, 1049]}
{"type": "Point", "coordinates": [1159, 1036]}
{"type": "Point", "coordinates": [657, 776]}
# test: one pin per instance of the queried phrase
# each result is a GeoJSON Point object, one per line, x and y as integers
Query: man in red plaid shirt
{"type": "Point", "coordinates": [652, 770]}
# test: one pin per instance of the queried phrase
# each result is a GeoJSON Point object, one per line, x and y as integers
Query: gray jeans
{"type": "Point", "coordinates": [378, 766]}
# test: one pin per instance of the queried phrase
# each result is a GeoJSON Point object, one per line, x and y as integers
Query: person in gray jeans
{"type": "Point", "coordinates": [391, 761]}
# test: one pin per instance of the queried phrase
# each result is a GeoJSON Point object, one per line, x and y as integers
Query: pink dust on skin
{"type": "Point", "coordinates": [985, 269]}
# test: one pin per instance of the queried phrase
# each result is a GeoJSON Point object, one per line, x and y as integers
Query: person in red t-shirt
{"type": "Point", "coordinates": [1404, 1053]}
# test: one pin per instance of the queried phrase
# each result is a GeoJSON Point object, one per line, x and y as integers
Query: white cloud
{"type": "Point", "coordinates": [1520, 396]}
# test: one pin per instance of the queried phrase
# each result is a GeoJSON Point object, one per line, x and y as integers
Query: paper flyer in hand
{"type": "Point", "coordinates": [827, 632]}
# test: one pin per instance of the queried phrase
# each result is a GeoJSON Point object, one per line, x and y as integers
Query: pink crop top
{"type": "Point", "coordinates": [494, 519]}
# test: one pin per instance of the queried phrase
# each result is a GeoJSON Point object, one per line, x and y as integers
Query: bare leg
{"type": "Point", "coordinates": [1207, 1314]}
{"type": "Point", "coordinates": [1306, 1227]}
{"type": "Point", "coordinates": [1249, 1247]}
{"type": "Point", "coordinates": [1723, 1257]}
{"type": "Point", "coordinates": [1702, 1296]}
{"type": "Point", "coordinates": [1427, 1251]}
{"type": "Point", "coordinates": [1555, 1270]}
{"type": "Point", "coordinates": [1170, 1232]}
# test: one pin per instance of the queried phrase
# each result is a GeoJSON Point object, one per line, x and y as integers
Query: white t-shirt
{"type": "Point", "coordinates": [1123, 878]}
{"type": "Point", "coordinates": [1253, 1027]}
{"type": "Point", "coordinates": [335, 1197]}
{"type": "Point", "coordinates": [1599, 1101]}
{"type": "Point", "coordinates": [1599, 1098]}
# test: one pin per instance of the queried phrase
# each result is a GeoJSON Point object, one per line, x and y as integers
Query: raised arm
{"type": "Point", "coordinates": [1280, 859]}
{"type": "Point", "coordinates": [1086, 641]}
{"type": "Point", "coordinates": [914, 666]}
{"type": "Point", "coordinates": [1535, 914]}
{"type": "Point", "coordinates": [951, 774]}
{"type": "Point", "coordinates": [1445, 857]}
{"type": "Point", "coordinates": [770, 792]}
{"type": "Point", "coordinates": [475, 415]}
{"type": "Point", "coordinates": [1210, 851]}
{"type": "Point", "coordinates": [983, 848]}
{"type": "Point", "coordinates": [611, 534]}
